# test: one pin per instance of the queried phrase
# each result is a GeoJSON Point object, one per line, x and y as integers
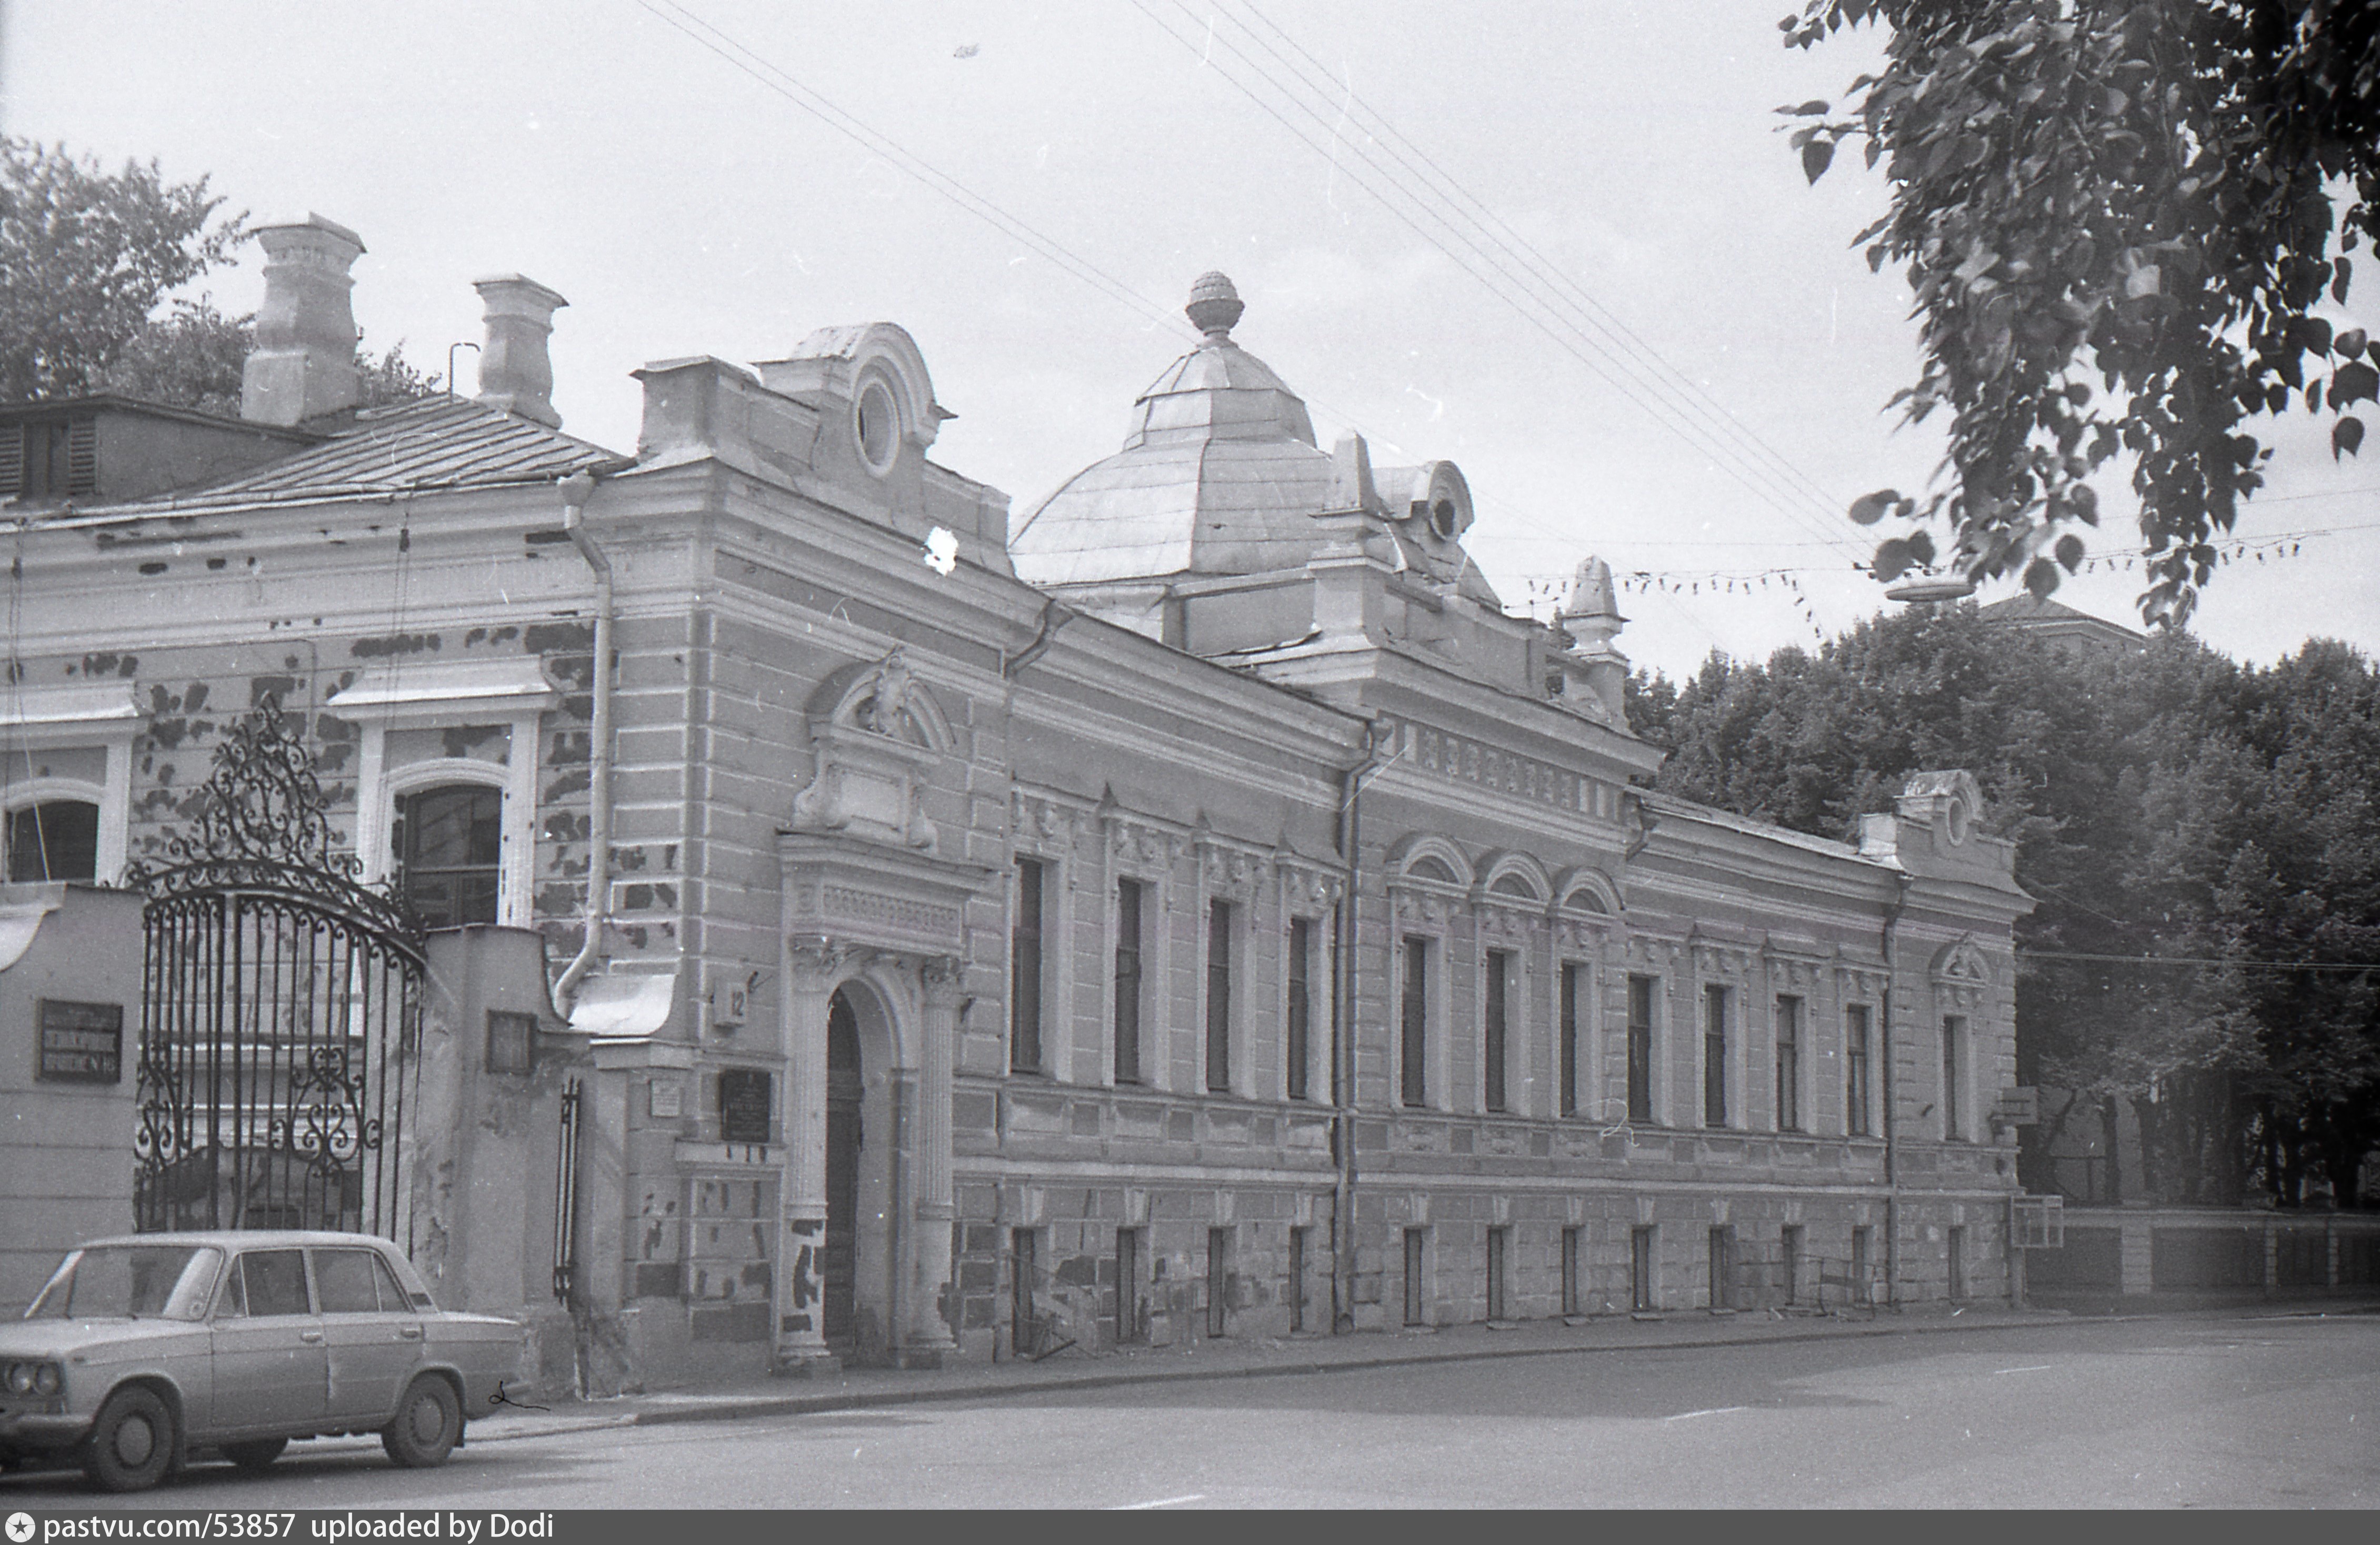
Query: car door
{"type": "Point", "coordinates": [371, 1333]}
{"type": "Point", "coordinates": [271, 1371]}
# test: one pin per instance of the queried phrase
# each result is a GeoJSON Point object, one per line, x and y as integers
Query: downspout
{"type": "Point", "coordinates": [1343, 927]}
{"type": "Point", "coordinates": [1891, 1126]}
{"type": "Point", "coordinates": [576, 490]}
{"type": "Point", "coordinates": [1055, 614]}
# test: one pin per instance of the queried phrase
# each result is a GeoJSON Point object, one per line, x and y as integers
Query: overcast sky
{"type": "Point", "coordinates": [1708, 398]}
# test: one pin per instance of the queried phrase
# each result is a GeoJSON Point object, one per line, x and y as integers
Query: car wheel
{"type": "Point", "coordinates": [257, 1455]}
{"type": "Point", "coordinates": [429, 1420]}
{"type": "Point", "coordinates": [131, 1442]}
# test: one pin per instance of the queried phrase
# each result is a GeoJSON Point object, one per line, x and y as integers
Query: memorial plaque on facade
{"type": "Point", "coordinates": [743, 1106]}
{"type": "Point", "coordinates": [80, 1043]}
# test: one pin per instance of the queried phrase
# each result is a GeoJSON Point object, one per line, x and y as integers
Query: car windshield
{"type": "Point", "coordinates": [130, 1281]}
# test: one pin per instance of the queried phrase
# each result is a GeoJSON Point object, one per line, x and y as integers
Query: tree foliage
{"type": "Point", "coordinates": [2118, 219]}
{"type": "Point", "coordinates": [2168, 806]}
{"type": "Point", "coordinates": [87, 256]}
{"type": "Point", "coordinates": [86, 261]}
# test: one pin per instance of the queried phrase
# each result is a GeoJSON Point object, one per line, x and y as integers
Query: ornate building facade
{"type": "Point", "coordinates": [1192, 908]}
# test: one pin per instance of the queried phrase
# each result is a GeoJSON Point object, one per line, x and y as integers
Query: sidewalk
{"type": "Point", "coordinates": [861, 1388]}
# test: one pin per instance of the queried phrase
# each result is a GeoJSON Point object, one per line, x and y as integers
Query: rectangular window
{"type": "Point", "coordinates": [1414, 1028]}
{"type": "Point", "coordinates": [1127, 981]}
{"type": "Point", "coordinates": [1219, 996]}
{"type": "Point", "coordinates": [1300, 1024]}
{"type": "Point", "coordinates": [1297, 1277]}
{"type": "Point", "coordinates": [449, 852]}
{"type": "Point", "coordinates": [1573, 984]}
{"type": "Point", "coordinates": [1722, 1265]}
{"type": "Point", "coordinates": [1573, 1291]}
{"type": "Point", "coordinates": [1416, 1300]}
{"type": "Point", "coordinates": [1954, 1035]}
{"type": "Point", "coordinates": [1219, 1282]}
{"type": "Point", "coordinates": [1714, 1056]}
{"type": "Point", "coordinates": [1788, 1264]}
{"type": "Point", "coordinates": [1640, 1048]}
{"type": "Point", "coordinates": [1024, 1327]}
{"type": "Point", "coordinates": [1500, 1274]}
{"type": "Point", "coordinates": [1789, 1065]}
{"type": "Point", "coordinates": [1127, 1284]}
{"type": "Point", "coordinates": [1643, 1272]}
{"type": "Point", "coordinates": [1855, 1070]}
{"type": "Point", "coordinates": [1958, 1264]}
{"type": "Point", "coordinates": [1025, 970]}
{"type": "Point", "coordinates": [1863, 1291]}
{"type": "Point", "coordinates": [1500, 968]}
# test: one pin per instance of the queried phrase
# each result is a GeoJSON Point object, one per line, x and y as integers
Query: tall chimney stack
{"type": "Point", "coordinates": [515, 374]}
{"type": "Point", "coordinates": [304, 362]}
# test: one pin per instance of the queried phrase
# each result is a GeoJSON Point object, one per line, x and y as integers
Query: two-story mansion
{"type": "Point", "coordinates": [1194, 907]}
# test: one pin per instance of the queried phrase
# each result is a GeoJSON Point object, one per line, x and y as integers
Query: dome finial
{"type": "Point", "coordinates": [1215, 306]}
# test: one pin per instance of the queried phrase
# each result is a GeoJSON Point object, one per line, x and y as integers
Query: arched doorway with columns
{"type": "Point", "coordinates": [874, 941]}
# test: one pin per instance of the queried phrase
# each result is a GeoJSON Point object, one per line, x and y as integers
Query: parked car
{"type": "Point", "coordinates": [143, 1349]}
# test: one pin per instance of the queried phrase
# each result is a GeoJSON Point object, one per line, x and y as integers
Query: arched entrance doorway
{"type": "Point", "coordinates": [845, 1087]}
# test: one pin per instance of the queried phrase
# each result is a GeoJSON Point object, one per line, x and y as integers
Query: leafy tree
{"type": "Point", "coordinates": [85, 257]}
{"type": "Point", "coordinates": [2168, 806]}
{"type": "Point", "coordinates": [2118, 219]}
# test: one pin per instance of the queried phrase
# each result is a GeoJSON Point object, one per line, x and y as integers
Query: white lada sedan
{"type": "Point", "coordinates": [145, 1348]}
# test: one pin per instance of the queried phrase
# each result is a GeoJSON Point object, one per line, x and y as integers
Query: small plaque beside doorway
{"type": "Point", "coordinates": [745, 1105]}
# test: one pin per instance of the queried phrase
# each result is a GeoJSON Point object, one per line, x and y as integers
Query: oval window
{"type": "Point", "coordinates": [879, 424]}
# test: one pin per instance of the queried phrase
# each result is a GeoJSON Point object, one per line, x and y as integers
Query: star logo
{"type": "Point", "coordinates": [20, 1527]}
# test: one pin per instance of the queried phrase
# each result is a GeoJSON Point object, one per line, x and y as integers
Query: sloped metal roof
{"type": "Point", "coordinates": [436, 443]}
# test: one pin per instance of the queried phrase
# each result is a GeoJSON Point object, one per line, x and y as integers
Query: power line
{"type": "Point", "coordinates": [1531, 303]}
{"type": "Point", "coordinates": [1540, 265]}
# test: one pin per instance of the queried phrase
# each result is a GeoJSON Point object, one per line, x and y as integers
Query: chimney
{"type": "Point", "coordinates": [304, 362]}
{"type": "Point", "coordinates": [515, 373]}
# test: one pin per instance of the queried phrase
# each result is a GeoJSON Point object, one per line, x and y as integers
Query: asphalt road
{"type": "Point", "coordinates": [2189, 1412]}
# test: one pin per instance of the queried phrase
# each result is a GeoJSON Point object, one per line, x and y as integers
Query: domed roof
{"type": "Point", "coordinates": [1217, 475]}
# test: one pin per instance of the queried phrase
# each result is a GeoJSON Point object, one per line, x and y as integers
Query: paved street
{"type": "Point", "coordinates": [2179, 1412]}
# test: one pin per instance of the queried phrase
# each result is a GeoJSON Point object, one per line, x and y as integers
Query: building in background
{"type": "Point", "coordinates": [1195, 907]}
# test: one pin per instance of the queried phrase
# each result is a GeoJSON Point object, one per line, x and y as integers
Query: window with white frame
{"type": "Point", "coordinates": [447, 784]}
{"type": "Point", "coordinates": [65, 778]}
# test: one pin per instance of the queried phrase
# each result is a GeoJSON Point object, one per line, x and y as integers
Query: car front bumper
{"type": "Point", "coordinates": [42, 1431]}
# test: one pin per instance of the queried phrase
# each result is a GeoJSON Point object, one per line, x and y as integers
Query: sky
{"type": "Point", "coordinates": [1692, 385]}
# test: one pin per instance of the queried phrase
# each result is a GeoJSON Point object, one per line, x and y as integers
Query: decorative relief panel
{"type": "Point", "coordinates": [1511, 923]}
{"type": "Point", "coordinates": [841, 902]}
{"type": "Point", "coordinates": [1576, 934]}
{"type": "Point", "coordinates": [1723, 959]}
{"type": "Point", "coordinates": [1305, 890]}
{"type": "Point", "coordinates": [1653, 954]}
{"type": "Point", "coordinates": [1856, 983]}
{"type": "Point", "coordinates": [1229, 872]}
{"type": "Point", "coordinates": [1787, 974]}
{"type": "Point", "coordinates": [1038, 821]}
{"type": "Point", "coordinates": [1137, 845]}
{"type": "Point", "coordinates": [1419, 908]}
{"type": "Point", "coordinates": [1467, 761]}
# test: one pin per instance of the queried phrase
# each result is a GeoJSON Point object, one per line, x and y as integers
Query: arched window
{"type": "Point", "coordinates": [449, 843]}
{"type": "Point", "coordinates": [56, 839]}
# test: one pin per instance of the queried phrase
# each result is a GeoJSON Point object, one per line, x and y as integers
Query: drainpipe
{"type": "Point", "coordinates": [1343, 1027]}
{"type": "Point", "coordinates": [576, 490]}
{"type": "Point", "coordinates": [1891, 1126]}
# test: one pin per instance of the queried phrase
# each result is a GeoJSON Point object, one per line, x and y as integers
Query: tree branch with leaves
{"type": "Point", "coordinates": [2118, 220]}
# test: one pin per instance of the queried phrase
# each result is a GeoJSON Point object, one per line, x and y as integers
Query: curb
{"type": "Point", "coordinates": [734, 1409]}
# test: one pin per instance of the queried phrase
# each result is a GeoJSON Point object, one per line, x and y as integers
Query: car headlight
{"type": "Point", "coordinates": [32, 1378]}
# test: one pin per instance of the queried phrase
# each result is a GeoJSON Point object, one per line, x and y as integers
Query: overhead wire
{"type": "Point", "coordinates": [1624, 338]}
{"type": "Point", "coordinates": [1512, 281]}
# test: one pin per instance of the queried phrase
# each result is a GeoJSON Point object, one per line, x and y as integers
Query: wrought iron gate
{"type": "Point", "coordinates": [280, 1017]}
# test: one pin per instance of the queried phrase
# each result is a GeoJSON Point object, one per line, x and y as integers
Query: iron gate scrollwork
{"type": "Point", "coordinates": [281, 1016]}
